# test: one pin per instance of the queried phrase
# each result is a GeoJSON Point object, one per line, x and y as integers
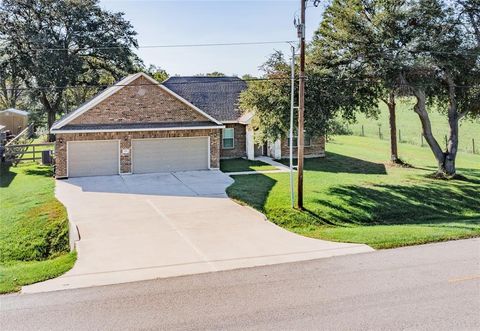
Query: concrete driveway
{"type": "Point", "coordinates": [139, 227]}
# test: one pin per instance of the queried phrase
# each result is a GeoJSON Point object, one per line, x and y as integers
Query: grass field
{"type": "Point", "coordinates": [33, 228]}
{"type": "Point", "coordinates": [352, 195]}
{"type": "Point", "coordinates": [410, 128]}
{"type": "Point", "coordinates": [234, 165]}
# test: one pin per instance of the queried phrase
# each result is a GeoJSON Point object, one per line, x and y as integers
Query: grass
{"type": "Point", "coordinates": [353, 195]}
{"type": "Point", "coordinates": [410, 127]}
{"type": "Point", "coordinates": [16, 274]}
{"type": "Point", "coordinates": [234, 165]}
{"type": "Point", "coordinates": [33, 227]}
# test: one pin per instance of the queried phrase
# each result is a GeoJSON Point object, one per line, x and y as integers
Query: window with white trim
{"type": "Point", "coordinates": [306, 139]}
{"type": "Point", "coordinates": [228, 141]}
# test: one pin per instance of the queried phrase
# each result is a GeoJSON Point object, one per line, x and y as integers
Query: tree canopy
{"type": "Point", "coordinates": [59, 44]}
{"type": "Point", "coordinates": [369, 51]}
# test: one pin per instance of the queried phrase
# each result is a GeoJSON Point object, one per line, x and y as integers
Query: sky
{"type": "Point", "coordinates": [199, 21]}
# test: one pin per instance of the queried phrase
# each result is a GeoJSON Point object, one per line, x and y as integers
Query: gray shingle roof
{"type": "Point", "coordinates": [217, 96]}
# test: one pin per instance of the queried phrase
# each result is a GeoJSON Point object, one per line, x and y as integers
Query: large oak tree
{"type": "Point", "coordinates": [427, 49]}
{"type": "Point", "coordinates": [62, 43]}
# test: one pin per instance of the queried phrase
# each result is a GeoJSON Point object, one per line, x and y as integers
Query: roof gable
{"type": "Point", "coordinates": [217, 96]}
{"type": "Point", "coordinates": [109, 92]}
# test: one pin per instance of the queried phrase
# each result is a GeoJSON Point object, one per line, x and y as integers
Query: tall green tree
{"type": "Point", "coordinates": [61, 43]}
{"type": "Point", "coordinates": [364, 40]}
{"type": "Point", "coordinates": [427, 49]}
{"type": "Point", "coordinates": [444, 71]}
{"type": "Point", "coordinates": [11, 81]}
{"type": "Point", "coordinates": [269, 97]}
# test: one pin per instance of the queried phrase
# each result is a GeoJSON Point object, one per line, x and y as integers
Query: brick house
{"type": "Point", "coordinates": [141, 126]}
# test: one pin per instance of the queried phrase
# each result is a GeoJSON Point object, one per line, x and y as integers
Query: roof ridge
{"type": "Point", "coordinates": [201, 77]}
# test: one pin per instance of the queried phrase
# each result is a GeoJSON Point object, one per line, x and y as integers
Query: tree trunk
{"type": "Point", "coordinates": [421, 109]}
{"type": "Point", "coordinates": [50, 120]}
{"type": "Point", "coordinates": [393, 127]}
{"type": "Point", "coordinates": [452, 145]}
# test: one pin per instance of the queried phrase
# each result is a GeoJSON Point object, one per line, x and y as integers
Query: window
{"type": "Point", "coordinates": [306, 138]}
{"type": "Point", "coordinates": [227, 138]}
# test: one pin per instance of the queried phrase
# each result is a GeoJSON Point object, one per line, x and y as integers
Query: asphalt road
{"type": "Point", "coordinates": [430, 287]}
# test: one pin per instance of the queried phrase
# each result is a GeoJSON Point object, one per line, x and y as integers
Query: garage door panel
{"type": "Point", "coordinates": [170, 154]}
{"type": "Point", "coordinates": [93, 158]}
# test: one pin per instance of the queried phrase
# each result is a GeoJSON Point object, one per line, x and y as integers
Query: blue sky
{"type": "Point", "coordinates": [192, 22]}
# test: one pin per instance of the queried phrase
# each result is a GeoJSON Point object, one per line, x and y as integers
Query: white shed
{"type": "Point", "coordinates": [14, 120]}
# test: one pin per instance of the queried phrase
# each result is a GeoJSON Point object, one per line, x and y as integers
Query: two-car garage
{"type": "Point", "coordinates": [102, 157]}
{"type": "Point", "coordinates": [170, 154]}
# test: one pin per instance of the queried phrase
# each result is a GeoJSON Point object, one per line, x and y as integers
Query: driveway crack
{"type": "Point", "coordinates": [182, 235]}
{"type": "Point", "coordinates": [195, 192]}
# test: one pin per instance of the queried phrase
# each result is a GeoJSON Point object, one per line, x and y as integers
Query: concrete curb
{"type": "Point", "coordinates": [73, 235]}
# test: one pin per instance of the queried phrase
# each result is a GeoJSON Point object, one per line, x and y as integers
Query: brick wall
{"type": "Point", "coordinates": [240, 148]}
{"type": "Point", "coordinates": [125, 142]}
{"type": "Point", "coordinates": [139, 102]}
{"type": "Point", "coordinates": [316, 148]}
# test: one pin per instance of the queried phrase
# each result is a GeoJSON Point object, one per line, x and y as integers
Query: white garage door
{"type": "Point", "coordinates": [93, 158]}
{"type": "Point", "coordinates": [170, 154]}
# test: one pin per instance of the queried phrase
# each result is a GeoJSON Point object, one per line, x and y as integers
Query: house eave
{"type": "Point", "coordinates": [55, 131]}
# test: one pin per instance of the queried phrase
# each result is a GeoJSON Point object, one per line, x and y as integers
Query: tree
{"type": "Point", "coordinates": [269, 97]}
{"type": "Point", "coordinates": [158, 73]}
{"type": "Point", "coordinates": [444, 71]}
{"type": "Point", "coordinates": [212, 74]}
{"type": "Point", "coordinates": [61, 43]}
{"type": "Point", "coordinates": [427, 49]}
{"type": "Point", "coordinates": [11, 81]}
{"type": "Point", "coordinates": [215, 74]}
{"type": "Point", "coordinates": [363, 39]}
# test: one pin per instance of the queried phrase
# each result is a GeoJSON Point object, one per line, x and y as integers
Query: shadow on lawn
{"type": "Point", "coordinates": [429, 203]}
{"type": "Point", "coordinates": [6, 176]}
{"type": "Point", "coordinates": [242, 189]}
{"type": "Point", "coordinates": [337, 163]}
{"type": "Point", "coordinates": [45, 171]}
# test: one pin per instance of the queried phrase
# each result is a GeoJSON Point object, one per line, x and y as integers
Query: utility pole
{"type": "Point", "coordinates": [301, 105]}
{"type": "Point", "coordinates": [292, 107]}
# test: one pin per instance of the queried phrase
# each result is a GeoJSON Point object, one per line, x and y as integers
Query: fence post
{"type": "Point", "coordinates": [446, 142]}
{"type": "Point", "coordinates": [363, 131]}
{"type": "Point", "coordinates": [473, 145]}
{"type": "Point", "coordinates": [399, 135]}
{"type": "Point", "coordinates": [379, 132]}
{"type": "Point", "coordinates": [421, 140]}
{"type": "Point", "coordinates": [33, 152]}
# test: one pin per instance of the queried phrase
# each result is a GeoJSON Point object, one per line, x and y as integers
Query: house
{"type": "Point", "coordinates": [141, 126]}
{"type": "Point", "coordinates": [14, 120]}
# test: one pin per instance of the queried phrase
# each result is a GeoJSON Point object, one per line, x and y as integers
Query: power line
{"type": "Point", "coordinates": [167, 45]}
{"type": "Point", "coordinates": [410, 51]}
{"type": "Point", "coordinates": [323, 79]}
{"type": "Point", "coordinates": [144, 84]}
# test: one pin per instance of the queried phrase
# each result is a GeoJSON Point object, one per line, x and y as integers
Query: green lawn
{"type": "Point", "coordinates": [234, 165]}
{"type": "Point", "coordinates": [33, 228]}
{"type": "Point", "coordinates": [410, 127]}
{"type": "Point", "coordinates": [353, 195]}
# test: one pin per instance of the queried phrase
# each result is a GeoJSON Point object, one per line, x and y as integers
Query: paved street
{"type": "Point", "coordinates": [430, 287]}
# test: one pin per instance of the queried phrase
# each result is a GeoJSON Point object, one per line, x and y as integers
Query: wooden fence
{"type": "Point", "coordinates": [27, 152]}
{"type": "Point", "coordinates": [469, 146]}
{"type": "Point", "coordinates": [23, 137]}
